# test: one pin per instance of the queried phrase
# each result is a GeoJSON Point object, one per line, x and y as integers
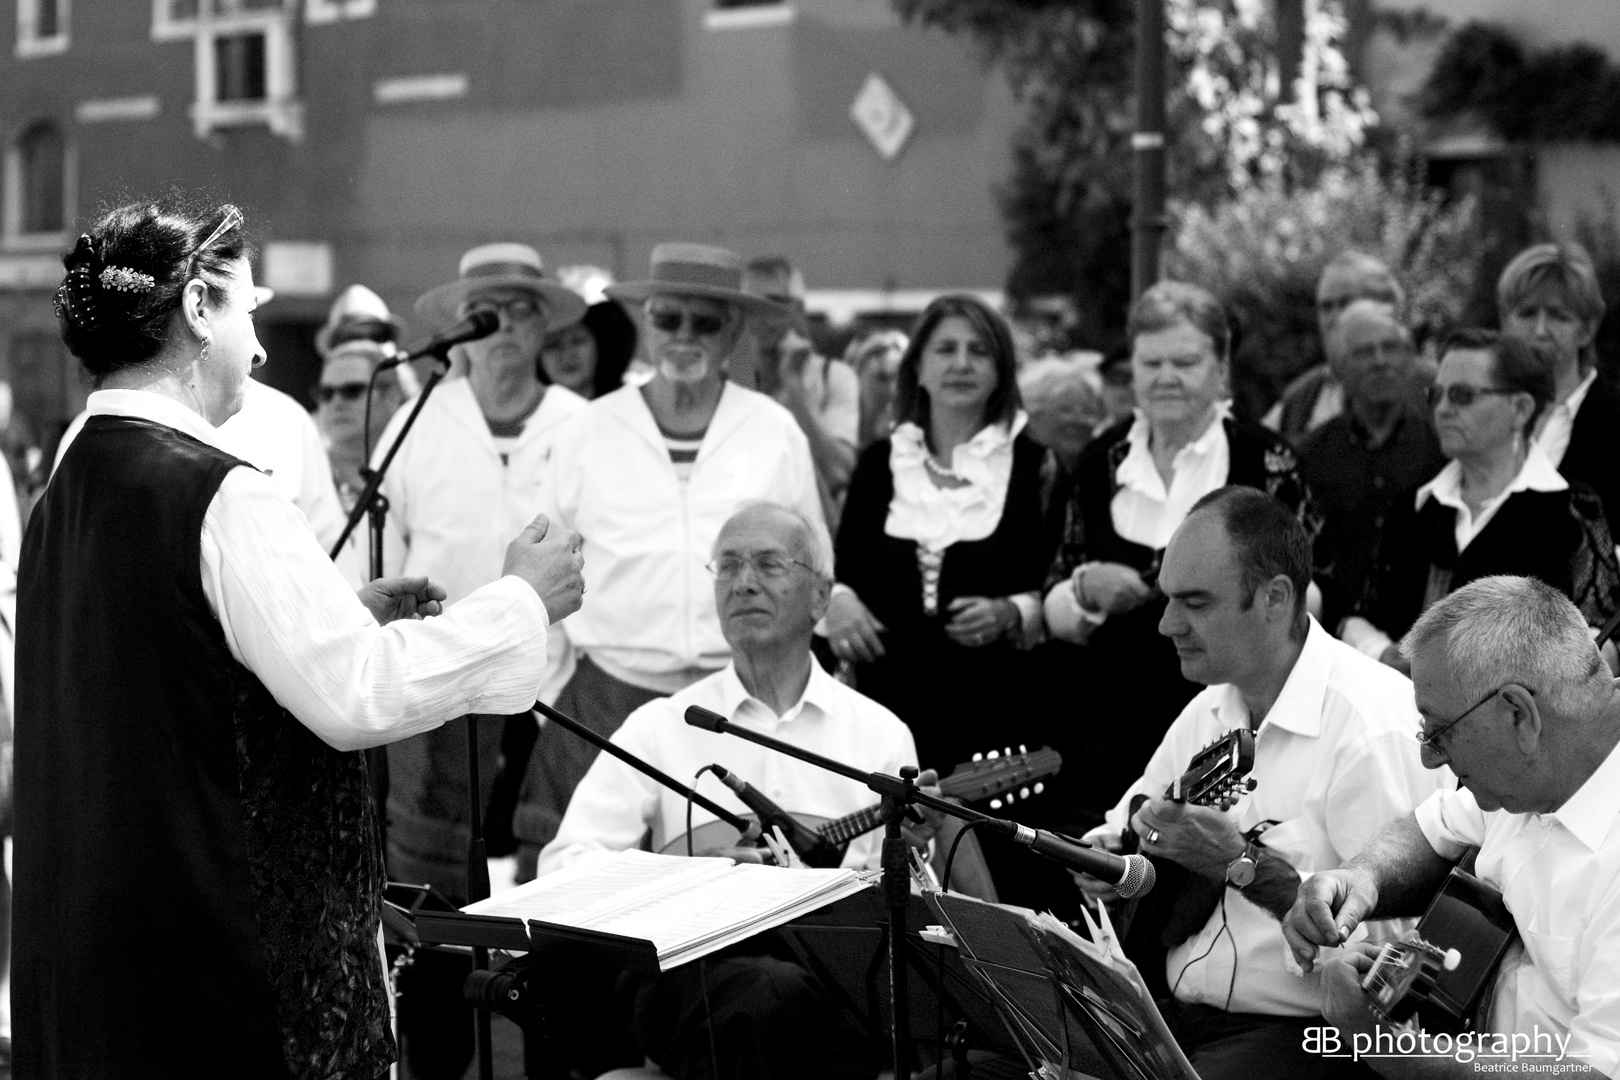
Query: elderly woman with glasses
{"type": "Point", "coordinates": [1498, 506]}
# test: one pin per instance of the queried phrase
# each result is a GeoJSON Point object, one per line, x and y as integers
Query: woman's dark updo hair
{"type": "Point", "coordinates": [126, 276]}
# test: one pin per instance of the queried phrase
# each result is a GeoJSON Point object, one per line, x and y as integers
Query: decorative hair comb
{"type": "Point", "coordinates": [123, 279]}
{"type": "Point", "coordinates": [75, 298]}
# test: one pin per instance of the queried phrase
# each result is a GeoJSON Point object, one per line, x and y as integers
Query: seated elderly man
{"type": "Point", "coordinates": [648, 474]}
{"type": "Point", "coordinates": [1516, 699]}
{"type": "Point", "coordinates": [769, 1017]}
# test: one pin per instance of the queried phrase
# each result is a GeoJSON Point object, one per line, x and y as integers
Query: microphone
{"type": "Point", "coordinates": [815, 849]}
{"type": "Point", "coordinates": [480, 324]}
{"type": "Point", "coordinates": [1130, 875]}
{"type": "Point", "coordinates": [699, 717]}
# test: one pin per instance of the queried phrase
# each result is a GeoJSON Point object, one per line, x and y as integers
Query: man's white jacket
{"type": "Point", "coordinates": [454, 503]}
{"type": "Point", "coordinates": [648, 616]}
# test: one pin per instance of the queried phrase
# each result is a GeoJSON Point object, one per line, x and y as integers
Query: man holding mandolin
{"type": "Point", "coordinates": [1329, 733]}
{"type": "Point", "coordinates": [750, 1010]}
{"type": "Point", "coordinates": [1517, 701]}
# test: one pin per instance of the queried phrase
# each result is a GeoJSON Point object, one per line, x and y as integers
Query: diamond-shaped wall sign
{"type": "Point", "coordinates": [883, 116]}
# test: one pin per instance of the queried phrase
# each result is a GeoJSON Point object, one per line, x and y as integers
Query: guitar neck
{"type": "Point", "coordinates": [843, 830]}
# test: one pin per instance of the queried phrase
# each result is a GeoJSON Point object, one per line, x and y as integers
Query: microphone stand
{"type": "Point", "coordinates": [607, 746]}
{"type": "Point", "coordinates": [899, 794]}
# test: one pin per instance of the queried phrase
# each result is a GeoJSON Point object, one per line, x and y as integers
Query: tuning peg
{"type": "Point", "coordinates": [993, 755]}
{"type": "Point", "coordinates": [995, 804]}
{"type": "Point", "coordinates": [978, 757]}
{"type": "Point", "coordinates": [1250, 784]}
{"type": "Point", "coordinates": [1022, 748]}
{"type": "Point", "coordinates": [1040, 786]}
{"type": "Point", "coordinates": [1023, 793]}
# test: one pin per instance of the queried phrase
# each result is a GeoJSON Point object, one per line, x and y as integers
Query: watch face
{"type": "Point", "coordinates": [1240, 871]}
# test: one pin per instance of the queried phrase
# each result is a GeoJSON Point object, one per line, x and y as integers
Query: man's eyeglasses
{"type": "Point", "coordinates": [1430, 740]}
{"type": "Point", "coordinates": [515, 310]}
{"type": "Point", "coordinates": [1462, 394]}
{"type": "Point", "coordinates": [349, 391]}
{"type": "Point", "coordinates": [666, 321]}
{"type": "Point", "coordinates": [765, 567]}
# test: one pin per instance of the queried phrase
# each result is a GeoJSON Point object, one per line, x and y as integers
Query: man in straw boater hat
{"type": "Point", "coordinates": [647, 475]}
{"type": "Point", "coordinates": [468, 476]}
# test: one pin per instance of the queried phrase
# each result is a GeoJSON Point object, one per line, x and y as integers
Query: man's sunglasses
{"type": "Point", "coordinates": [349, 391]}
{"type": "Point", "coordinates": [669, 322]}
{"type": "Point", "coordinates": [1461, 394]}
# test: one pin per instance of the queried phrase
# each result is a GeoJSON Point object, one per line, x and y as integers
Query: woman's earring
{"type": "Point", "coordinates": [202, 357]}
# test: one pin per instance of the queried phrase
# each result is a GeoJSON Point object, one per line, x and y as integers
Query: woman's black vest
{"type": "Point", "coordinates": [197, 875]}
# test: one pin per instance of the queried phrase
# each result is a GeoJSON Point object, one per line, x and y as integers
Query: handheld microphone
{"type": "Point", "coordinates": [480, 324]}
{"type": "Point", "coordinates": [815, 849]}
{"type": "Point", "coordinates": [1130, 875]}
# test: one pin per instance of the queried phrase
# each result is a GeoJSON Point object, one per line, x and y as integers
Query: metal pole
{"type": "Point", "coordinates": [1148, 220]}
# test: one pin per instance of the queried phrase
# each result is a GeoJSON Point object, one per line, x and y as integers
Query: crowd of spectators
{"type": "Point", "coordinates": [995, 523]}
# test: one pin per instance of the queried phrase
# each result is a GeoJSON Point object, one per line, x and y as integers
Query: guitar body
{"type": "Point", "coordinates": [718, 838]}
{"type": "Point", "coordinates": [1467, 920]}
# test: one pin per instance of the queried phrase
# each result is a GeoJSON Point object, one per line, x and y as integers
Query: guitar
{"type": "Point", "coordinates": [1444, 968]}
{"type": "Point", "coordinates": [996, 776]}
{"type": "Point", "coordinates": [1217, 776]}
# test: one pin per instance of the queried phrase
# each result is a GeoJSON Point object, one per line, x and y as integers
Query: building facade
{"type": "Point", "coordinates": [375, 140]}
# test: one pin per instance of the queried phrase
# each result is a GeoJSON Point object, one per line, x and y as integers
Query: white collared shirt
{"type": "Point", "coordinates": [1143, 510]}
{"type": "Point", "coordinates": [1334, 762]}
{"type": "Point", "coordinates": [614, 806]}
{"type": "Point", "coordinates": [937, 516]}
{"type": "Point", "coordinates": [1536, 474]}
{"type": "Point", "coordinates": [289, 616]}
{"type": "Point", "coordinates": [1559, 875]}
{"type": "Point", "coordinates": [1559, 422]}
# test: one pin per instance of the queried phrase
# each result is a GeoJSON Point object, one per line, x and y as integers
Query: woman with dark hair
{"type": "Point", "coordinates": [591, 356]}
{"type": "Point", "coordinates": [1498, 507]}
{"type": "Point", "coordinates": [943, 544]}
{"type": "Point", "coordinates": [199, 877]}
{"type": "Point", "coordinates": [1133, 486]}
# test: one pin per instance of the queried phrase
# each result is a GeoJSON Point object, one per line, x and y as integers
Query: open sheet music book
{"type": "Point", "coordinates": [686, 908]}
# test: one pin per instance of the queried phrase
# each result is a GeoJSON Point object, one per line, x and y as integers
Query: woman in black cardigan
{"type": "Point", "coordinates": [1133, 486]}
{"type": "Point", "coordinates": [943, 545]}
{"type": "Point", "coordinates": [1499, 506]}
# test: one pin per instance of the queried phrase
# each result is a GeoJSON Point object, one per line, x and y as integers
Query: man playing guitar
{"type": "Point", "coordinates": [1516, 699]}
{"type": "Point", "coordinates": [1332, 758]}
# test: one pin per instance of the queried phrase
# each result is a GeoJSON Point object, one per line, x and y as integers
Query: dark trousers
{"type": "Point", "coordinates": [1250, 1046]}
{"type": "Point", "coordinates": [560, 758]}
{"type": "Point", "coordinates": [744, 1014]}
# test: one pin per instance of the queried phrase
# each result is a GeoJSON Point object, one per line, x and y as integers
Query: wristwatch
{"type": "Point", "coordinates": [1240, 871]}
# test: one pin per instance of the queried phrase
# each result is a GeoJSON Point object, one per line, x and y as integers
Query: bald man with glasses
{"type": "Point", "coordinates": [1516, 699]}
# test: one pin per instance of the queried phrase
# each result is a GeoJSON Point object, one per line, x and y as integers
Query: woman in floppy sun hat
{"type": "Point", "coordinates": [504, 268]}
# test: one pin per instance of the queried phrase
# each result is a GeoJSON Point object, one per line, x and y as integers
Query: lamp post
{"type": "Point", "coordinates": [1148, 221]}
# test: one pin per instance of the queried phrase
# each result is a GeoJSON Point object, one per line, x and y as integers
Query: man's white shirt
{"type": "Point", "coordinates": [1335, 761]}
{"type": "Point", "coordinates": [615, 806]}
{"type": "Point", "coordinates": [1559, 874]}
{"type": "Point", "coordinates": [291, 618]}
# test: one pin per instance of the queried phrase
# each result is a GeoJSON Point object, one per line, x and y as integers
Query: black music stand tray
{"type": "Point", "coordinates": [1071, 1015]}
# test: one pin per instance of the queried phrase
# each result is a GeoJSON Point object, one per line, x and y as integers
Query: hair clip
{"type": "Point", "coordinates": [123, 279]}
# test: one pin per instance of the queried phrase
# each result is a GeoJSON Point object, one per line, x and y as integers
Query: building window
{"type": "Point", "coordinates": [317, 12]}
{"type": "Point", "coordinates": [747, 14]}
{"type": "Point", "coordinates": [38, 195]}
{"type": "Point", "coordinates": [42, 27]}
{"type": "Point", "coordinates": [244, 62]}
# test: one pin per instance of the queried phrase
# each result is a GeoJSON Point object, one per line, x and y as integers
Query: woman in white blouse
{"type": "Point", "coordinates": [944, 540]}
{"type": "Point", "coordinates": [1133, 486]}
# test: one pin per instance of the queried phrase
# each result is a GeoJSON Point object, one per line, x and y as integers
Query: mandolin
{"type": "Point", "coordinates": [1217, 776]}
{"type": "Point", "coordinates": [1002, 777]}
{"type": "Point", "coordinates": [1442, 971]}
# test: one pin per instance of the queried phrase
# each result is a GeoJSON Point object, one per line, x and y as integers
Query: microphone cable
{"type": "Point", "coordinates": [689, 854]}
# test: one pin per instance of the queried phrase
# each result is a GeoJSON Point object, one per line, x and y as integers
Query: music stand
{"type": "Point", "coordinates": [1067, 1011]}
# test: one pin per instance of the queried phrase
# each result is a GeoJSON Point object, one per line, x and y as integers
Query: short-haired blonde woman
{"type": "Point", "coordinates": [1133, 486]}
{"type": "Point", "coordinates": [1549, 294]}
